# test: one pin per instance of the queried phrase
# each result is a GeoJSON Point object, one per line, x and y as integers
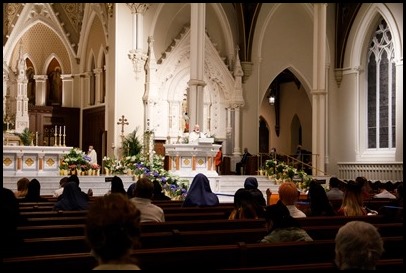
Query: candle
{"type": "Point", "coordinates": [56, 130]}
{"type": "Point", "coordinates": [64, 130]}
{"type": "Point", "coordinates": [36, 138]}
{"type": "Point", "coordinates": [60, 130]}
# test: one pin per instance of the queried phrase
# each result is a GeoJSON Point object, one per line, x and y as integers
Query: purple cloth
{"type": "Point", "coordinates": [200, 194]}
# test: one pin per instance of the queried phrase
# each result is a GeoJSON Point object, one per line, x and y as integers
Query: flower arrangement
{"type": "Point", "coordinates": [75, 159]}
{"type": "Point", "coordinates": [282, 171]}
{"type": "Point", "coordinates": [172, 185]}
{"type": "Point", "coordinates": [63, 166]}
{"type": "Point", "coordinates": [108, 162]}
{"type": "Point", "coordinates": [95, 166]}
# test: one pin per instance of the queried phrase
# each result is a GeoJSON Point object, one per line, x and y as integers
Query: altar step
{"type": "Point", "coordinates": [223, 185]}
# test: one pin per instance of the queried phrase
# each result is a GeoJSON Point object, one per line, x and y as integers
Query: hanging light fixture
{"type": "Point", "coordinates": [271, 97]}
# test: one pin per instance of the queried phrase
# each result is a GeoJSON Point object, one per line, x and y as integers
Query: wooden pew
{"type": "Point", "coordinates": [383, 264]}
{"type": "Point", "coordinates": [329, 232]}
{"type": "Point", "coordinates": [55, 220]}
{"type": "Point", "coordinates": [176, 238]}
{"type": "Point", "coordinates": [146, 227]}
{"type": "Point", "coordinates": [231, 256]}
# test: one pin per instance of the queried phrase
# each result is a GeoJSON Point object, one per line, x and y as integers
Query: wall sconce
{"type": "Point", "coordinates": [272, 100]}
{"type": "Point", "coordinates": [271, 97]}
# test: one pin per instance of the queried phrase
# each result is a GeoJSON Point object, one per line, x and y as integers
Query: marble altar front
{"type": "Point", "coordinates": [33, 160]}
{"type": "Point", "coordinates": [189, 159]}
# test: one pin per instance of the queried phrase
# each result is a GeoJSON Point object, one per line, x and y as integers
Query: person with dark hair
{"type": "Point", "coordinates": [319, 203]}
{"type": "Point", "coordinates": [130, 190]}
{"type": "Point", "coordinates": [282, 227]}
{"type": "Point", "coordinates": [358, 245]}
{"type": "Point", "coordinates": [242, 162]}
{"type": "Point", "coordinates": [245, 206]}
{"type": "Point", "coordinates": [199, 193]}
{"type": "Point", "coordinates": [11, 218]}
{"type": "Point", "coordinates": [384, 191]}
{"type": "Point", "coordinates": [143, 200]}
{"type": "Point", "coordinates": [158, 194]}
{"type": "Point", "coordinates": [117, 186]}
{"type": "Point", "coordinates": [72, 198]}
{"type": "Point", "coordinates": [251, 184]}
{"type": "Point", "coordinates": [352, 204]}
{"type": "Point", "coordinates": [75, 178]}
{"type": "Point", "coordinates": [22, 187]}
{"type": "Point", "coordinates": [62, 183]}
{"type": "Point", "coordinates": [34, 192]}
{"type": "Point", "coordinates": [334, 191]}
{"type": "Point", "coordinates": [112, 231]}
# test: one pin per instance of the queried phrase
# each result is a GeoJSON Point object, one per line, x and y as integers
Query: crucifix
{"type": "Point", "coordinates": [122, 121]}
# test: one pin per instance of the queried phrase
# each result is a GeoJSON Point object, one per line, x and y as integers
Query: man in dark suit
{"type": "Point", "coordinates": [243, 161]}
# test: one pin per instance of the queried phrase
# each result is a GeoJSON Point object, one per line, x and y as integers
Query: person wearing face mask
{"type": "Point", "coordinates": [92, 154]}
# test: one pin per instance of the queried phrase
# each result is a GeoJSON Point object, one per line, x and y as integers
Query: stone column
{"type": "Point", "coordinates": [319, 89]}
{"type": "Point", "coordinates": [197, 48]}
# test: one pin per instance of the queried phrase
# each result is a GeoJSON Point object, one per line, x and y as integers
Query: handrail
{"type": "Point", "coordinates": [294, 159]}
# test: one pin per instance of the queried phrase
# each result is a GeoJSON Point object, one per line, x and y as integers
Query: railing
{"type": "Point", "coordinates": [383, 172]}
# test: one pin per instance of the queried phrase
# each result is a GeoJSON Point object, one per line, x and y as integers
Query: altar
{"type": "Point", "coordinates": [33, 160]}
{"type": "Point", "coordinates": [186, 160]}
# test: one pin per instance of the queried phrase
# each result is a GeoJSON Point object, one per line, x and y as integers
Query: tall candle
{"type": "Point", "coordinates": [56, 130]}
{"type": "Point", "coordinates": [64, 129]}
{"type": "Point", "coordinates": [60, 130]}
{"type": "Point", "coordinates": [36, 138]}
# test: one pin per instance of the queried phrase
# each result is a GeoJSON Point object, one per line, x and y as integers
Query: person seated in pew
{"type": "Point", "coordinates": [352, 204]}
{"type": "Point", "coordinates": [117, 186]}
{"type": "Point", "coordinates": [319, 203]}
{"type": "Point", "coordinates": [34, 192]}
{"type": "Point", "coordinates": [334, 191]}
{"type": "Point", "coordinates": [112, 230]}
{"type": "Point", "coordinates": [288, 195]}
{"type": "Point", "coordinates": [22, 187]}
{"type": "Point", "coordinates": [282, 227]}
{"type": "Point", "coordinates": [245, 206]}
{"type": "Point", "coordinates": [130, 190]}
{"type": "Point", "coordinates": [384, 192]}
{"type": "Point", "coordinates": [62, 183]}
{"type": "Point", "coordinates": [11, 240]}
{"type": "Point", "coordinates": [251, 184]}
{"type": "Point", "coordinates": [158, 194]}
{"type": "Point", "coordinates": [200, 194]}
{"type": "Point", "coordinates": [72, 198]}
{"type": "Point", "coordinates": [358, 245]}
{"type": "Point", "coordinates": [143, 200]}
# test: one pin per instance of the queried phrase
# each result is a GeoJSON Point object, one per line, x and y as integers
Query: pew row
{"type": "Point", "coordinates": [232, 256]}
{"type": "Point", "coordinates": [176, 238]}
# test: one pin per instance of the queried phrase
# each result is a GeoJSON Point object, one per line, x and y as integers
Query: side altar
{"type": "Point", "coordinates": [186, 160]}
{"type": "Point", "coordinates": [33, 160]}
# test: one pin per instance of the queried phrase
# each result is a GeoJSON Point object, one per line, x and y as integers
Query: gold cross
{"type": "Point", "coordinates": [122, 121]}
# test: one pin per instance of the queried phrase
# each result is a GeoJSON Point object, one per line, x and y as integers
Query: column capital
{"type": "Point", "coordinates": [138, 7]}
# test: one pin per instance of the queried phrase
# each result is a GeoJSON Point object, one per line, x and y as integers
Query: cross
{"type": "Point", "coordinates": [122, 121]}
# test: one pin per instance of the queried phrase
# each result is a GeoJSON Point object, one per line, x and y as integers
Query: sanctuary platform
{"type": "Point", "coordinates": [223, 185]}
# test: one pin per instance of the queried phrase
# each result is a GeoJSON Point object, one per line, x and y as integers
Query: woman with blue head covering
{"type": "Point", "coordinates": [251, 184]}
{"type": "Point", "coordinates": [200, 194]}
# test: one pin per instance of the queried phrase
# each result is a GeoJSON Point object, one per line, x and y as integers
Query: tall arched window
{"type": "Point", "coordinates": [381, 89]}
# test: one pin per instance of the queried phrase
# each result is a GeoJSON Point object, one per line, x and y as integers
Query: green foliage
{"type": "Point", "coordinates": [131, 144]}
{"type": "Point", "coordinates": [26, 136]}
